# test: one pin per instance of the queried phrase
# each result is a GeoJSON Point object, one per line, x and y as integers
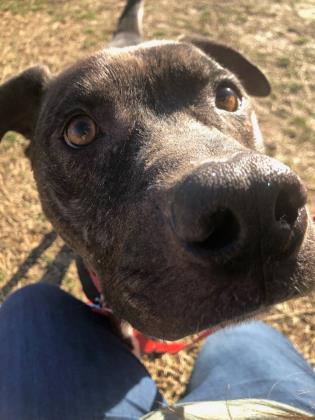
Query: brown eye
{"type": "Point", "coordinates": [227, 99]}
{"type": "Point", "coordinates": [80, 131]}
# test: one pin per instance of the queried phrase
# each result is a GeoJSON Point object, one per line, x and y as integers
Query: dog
{"type": "Point", "coordinates": [150, 164]}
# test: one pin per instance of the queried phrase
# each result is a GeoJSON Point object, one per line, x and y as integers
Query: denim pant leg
{"type": "Point", "coordinates": [59, 360]}
{"type": "Point", "coordinates": [252, 361]}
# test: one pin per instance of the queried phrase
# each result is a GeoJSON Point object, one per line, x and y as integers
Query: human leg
{"type": "Point", "coordinates": [252, 361]}
{"type": "Point", "coordinates": [59, 360]}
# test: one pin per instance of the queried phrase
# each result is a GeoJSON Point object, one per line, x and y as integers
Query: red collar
{"type": "Point", "coordinates": [142, 343]}
{"type": "Point", "coordinates": [149, 345]}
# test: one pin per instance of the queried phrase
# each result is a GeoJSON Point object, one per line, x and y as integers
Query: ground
{"type": "Point", "coordinates": [277, 36]}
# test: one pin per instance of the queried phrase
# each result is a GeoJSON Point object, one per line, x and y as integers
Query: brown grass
{"type": "Point", "coordinates": [278, 36]}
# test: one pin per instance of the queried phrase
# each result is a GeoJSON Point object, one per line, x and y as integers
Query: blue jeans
{"type": "Point", "coordinates": [59, 360]}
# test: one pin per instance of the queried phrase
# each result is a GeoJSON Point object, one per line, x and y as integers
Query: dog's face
{"type": "Point", "coordinates": [149, 164]}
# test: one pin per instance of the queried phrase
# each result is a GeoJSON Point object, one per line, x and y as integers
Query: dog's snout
{"type": "Point", "coordinates": [248, 204]}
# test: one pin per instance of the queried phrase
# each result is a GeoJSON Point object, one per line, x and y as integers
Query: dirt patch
{"type": "Point", "coordinates": [277, 36]}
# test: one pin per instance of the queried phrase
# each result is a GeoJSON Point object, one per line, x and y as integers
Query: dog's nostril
{"type": "Point", "coordinates": [223, 230]}
{"type": "Point", "coordinates": [287, 208]}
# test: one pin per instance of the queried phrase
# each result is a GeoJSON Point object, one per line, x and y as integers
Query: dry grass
{"type": "Point", "coordinates": [278, 36]}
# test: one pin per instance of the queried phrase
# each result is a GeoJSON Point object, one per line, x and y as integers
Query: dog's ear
{"type": "Point", "coordinates": [20, 99]}
{"type": "Point", "coordinates": [254, 81]}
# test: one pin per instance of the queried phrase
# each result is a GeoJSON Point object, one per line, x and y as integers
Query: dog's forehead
{"type": "Point", "coordinates": [120, 68]}
{"type": "Point", "coordinates": [164, 51]}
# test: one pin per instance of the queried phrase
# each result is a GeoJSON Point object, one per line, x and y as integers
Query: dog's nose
{"type": "Point", "coordinates": [248, 204]}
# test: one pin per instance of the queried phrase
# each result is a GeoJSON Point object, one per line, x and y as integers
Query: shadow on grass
{"type": "Point", "coordinates": [58, 267]}
{"type": "Point", "coordinates": [54, 272]}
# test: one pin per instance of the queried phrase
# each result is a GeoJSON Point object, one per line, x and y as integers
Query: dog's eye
{"type": "Point", "coordinates": [80, 131]}
{"type": "Point", "coordinates": [227, 99]}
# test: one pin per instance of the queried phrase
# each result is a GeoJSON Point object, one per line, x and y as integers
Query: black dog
{"type": "Point", "coordinates": [150, 164]}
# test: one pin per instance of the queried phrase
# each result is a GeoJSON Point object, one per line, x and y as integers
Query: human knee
{"type": "Point", "coordinates": [31, 295]}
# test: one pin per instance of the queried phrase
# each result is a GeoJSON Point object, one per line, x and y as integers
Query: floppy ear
{"type": "Point", "coordinates": [20, 99]}
{"type": "Point", "coordinates": [254, 81]}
